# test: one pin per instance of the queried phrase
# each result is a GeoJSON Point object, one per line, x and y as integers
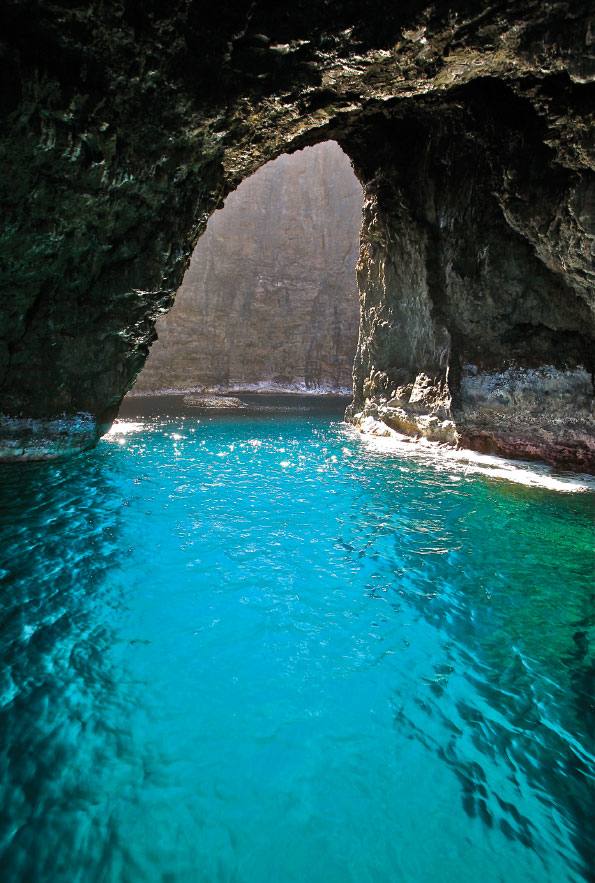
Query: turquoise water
{"type": "Point", "coordinates": [259, 650]}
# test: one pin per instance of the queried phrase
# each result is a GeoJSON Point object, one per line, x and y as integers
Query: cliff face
{"type": "Point", "coordinates": [471, 131]}
{"type": "Point", "coordinates": [270, 298]}
{"type": "Point", "coordinates": [477, 282]}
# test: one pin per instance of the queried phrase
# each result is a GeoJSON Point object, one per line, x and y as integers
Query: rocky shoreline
{"type": "Point", "coordinates": [537, 414]}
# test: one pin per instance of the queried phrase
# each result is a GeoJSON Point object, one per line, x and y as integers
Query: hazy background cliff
{"type": "Point", "coordinates": [270, 297]}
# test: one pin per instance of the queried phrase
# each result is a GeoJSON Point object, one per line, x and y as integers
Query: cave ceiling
{"type": "Point", "coordinates": [125, 125]}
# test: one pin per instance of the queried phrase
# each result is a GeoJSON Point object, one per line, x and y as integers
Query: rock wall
{"type": "Point", "coordinates": [124, 126]}
{"type": "Point", "coordinates": [270, 299]}
{"type": "Point", "coordinates": [474, 331]}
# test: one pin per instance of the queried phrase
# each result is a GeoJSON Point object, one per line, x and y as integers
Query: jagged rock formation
{"type": "Point", "coordinates": [471, 129]}
{"type": "Point", "coordinates": [269, 300]}
{"type": "Point", "coordinates": [477, 316]}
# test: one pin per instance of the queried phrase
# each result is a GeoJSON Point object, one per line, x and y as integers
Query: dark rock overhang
{"type": "Point", "coordinates": [125, 125]}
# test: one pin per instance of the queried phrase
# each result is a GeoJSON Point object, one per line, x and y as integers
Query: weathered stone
{"type": "Point", "coordinates": [546, 412]}
{"type": "Point", "coordinates": [24, 438]}
{"type": "Point", "coordinates": [451, 290]}
{"type": "Point", "coordinates": [471, 130]}
{"type": "Point", "coordinates": [216, 402]}
{"type": "Point", "coordinates": [269, 301]}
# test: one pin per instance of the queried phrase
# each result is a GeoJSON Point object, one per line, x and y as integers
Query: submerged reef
{"type": "Point", "coordinates": [469, 126]}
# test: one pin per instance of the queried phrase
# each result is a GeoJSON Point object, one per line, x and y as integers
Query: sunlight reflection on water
{"type": "Point", "coordinates": [310, 658]}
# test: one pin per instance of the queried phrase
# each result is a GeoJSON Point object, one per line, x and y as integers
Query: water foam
{"type": "Point", "coordinates": [538, 475]}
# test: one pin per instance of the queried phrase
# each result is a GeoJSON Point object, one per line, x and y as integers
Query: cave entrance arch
{"type": "Point", "coordinates": [269, 301]}
{"type": "Point", "coordinates": [122, 132]}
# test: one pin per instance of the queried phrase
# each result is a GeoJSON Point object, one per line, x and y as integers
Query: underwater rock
{"type": "Point", "coordinates": [208, 401]}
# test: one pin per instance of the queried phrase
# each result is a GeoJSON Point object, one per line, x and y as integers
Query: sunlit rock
{"type": "Point", "coordinates": [217, 402]}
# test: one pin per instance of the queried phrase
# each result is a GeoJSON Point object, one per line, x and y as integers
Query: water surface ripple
{"type": "Point", "coordinates": [256, 650]}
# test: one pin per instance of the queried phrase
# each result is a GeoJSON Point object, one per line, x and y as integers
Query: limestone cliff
{"type": "Point", "coordinates": [470, 127]}
{"type": "Point", "coordinates": [270, 299]}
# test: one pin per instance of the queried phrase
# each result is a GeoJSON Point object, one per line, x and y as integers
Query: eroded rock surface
{"type": "Point", "coordinates": [457, 301]}
{"type": "Point", "coordinates": [269, 301]}
{"type": "Point", "coordinates": [214, 402]}
{"type": "Point", "coordinates": [471, 130]}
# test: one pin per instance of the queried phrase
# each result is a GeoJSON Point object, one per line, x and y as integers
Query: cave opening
{"type": "Point", "coordinates": [475, 273]}
{"type": "Point", "coordinates": [267, 644]}
{"type": "Point", "coordinates": [269, 302]}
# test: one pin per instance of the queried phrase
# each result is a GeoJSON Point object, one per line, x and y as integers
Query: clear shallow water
{"type": "Point", "coordinates": [257, 650]}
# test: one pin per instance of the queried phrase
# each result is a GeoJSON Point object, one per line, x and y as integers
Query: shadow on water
{"type": "Point", "coordinates": [60, 539]}
{"type": "Point", "coordinates": [509, 705]}
{"type": "Point", "coordinates": [255, 405]}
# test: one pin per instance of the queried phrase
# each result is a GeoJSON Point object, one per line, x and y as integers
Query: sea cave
{"type": "Point", "coordinates": [297, 441]}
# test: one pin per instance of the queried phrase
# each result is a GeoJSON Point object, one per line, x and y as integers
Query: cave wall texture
{"type": "Point", "coordinates": [470, 127]}
{"type": "Point", "coordinates": [270, 300]}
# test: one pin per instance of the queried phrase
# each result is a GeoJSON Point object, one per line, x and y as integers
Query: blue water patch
{"type": "Point", "coordinates": [255, 650]}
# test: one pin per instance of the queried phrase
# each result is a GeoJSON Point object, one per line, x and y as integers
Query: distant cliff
{"type": "Point", "coordinates": [270, 298]}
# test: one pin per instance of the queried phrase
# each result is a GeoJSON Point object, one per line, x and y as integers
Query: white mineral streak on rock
{"type": "Point", "coordinates": [526, 393]}
{"type": "Point", "coordinates": [25, 438]}
{"type": "Point", "coordinates": [534, 411]}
